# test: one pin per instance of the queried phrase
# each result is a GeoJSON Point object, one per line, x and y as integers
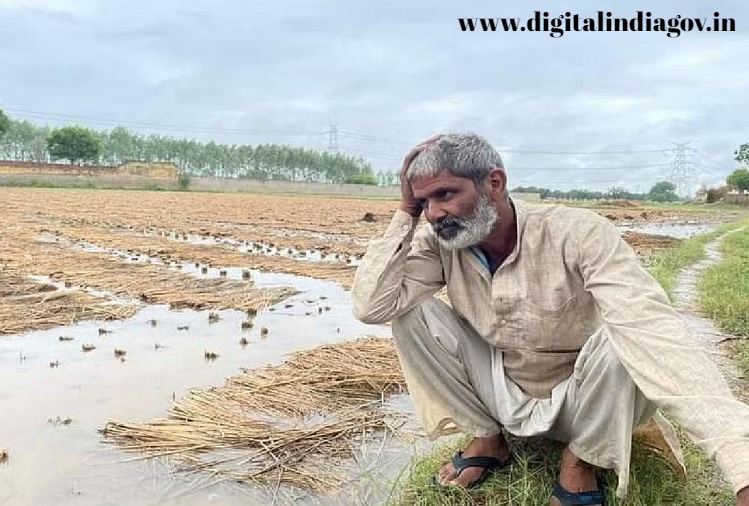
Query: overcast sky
{"type": "Point", "coordinates": [389, 73]}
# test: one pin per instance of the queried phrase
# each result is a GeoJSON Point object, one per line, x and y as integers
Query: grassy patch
{"type": "Point", "coordinates": [528, 482]}
{"type": "Point", "coordinates": [665, 266]}
{"type": "Point", "coordinates": [724, 288]}
{"type": "Point", "coordinates": [724, 292]}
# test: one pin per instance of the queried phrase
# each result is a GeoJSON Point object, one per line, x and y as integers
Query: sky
{"type": "Point", "coordinates": [585, 110]}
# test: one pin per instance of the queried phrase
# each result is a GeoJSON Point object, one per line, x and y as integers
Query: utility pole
{"type": "Point", "coordinates": [333, 145]}
{"type": "Point", "coordinates": [681, 171]}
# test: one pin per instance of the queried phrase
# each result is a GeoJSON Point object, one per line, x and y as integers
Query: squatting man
{"type": "Point", "coordinates": [554, 329]}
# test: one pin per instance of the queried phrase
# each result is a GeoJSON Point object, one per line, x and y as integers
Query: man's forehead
{"type": "Point", "coordinates": [427, 184]}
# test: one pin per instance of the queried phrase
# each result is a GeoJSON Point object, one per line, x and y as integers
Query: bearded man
{"type": "Point", "coordinates": [555, 329]}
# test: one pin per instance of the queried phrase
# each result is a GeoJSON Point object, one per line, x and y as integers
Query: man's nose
{"type": "Point", "coordinates": [433, 212]}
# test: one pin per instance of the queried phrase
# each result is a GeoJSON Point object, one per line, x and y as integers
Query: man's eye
{"type": "Point", "coordinates": [445, 195]}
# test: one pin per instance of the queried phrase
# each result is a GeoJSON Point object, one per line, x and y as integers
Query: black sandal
{"type": "Point", "coordinates": [567, 498]}
{"type": "Point", "coordinates": [490, 465]}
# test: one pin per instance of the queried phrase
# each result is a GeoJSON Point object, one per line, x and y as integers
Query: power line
{"type": "Point", "coordinates": [144, 124]}
{"type": "Point", "coordinates": [614, 152]}
{"type": "Point", "coordinates": [333, 139]}
{"type": "Point", "coordinates": [713, 162]}
{"type": "Point", "coordinates": [586, 169]}
{"type": "Point", "coordinates": [390, 140]}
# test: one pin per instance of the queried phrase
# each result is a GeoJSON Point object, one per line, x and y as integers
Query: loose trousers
{"type": "Point", "coordinates": [457, 382]}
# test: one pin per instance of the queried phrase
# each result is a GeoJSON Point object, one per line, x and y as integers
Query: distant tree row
{"type": "Point", "coordinates": [24, 141]}
{"type": "Point", "coordinates": [662, 191]}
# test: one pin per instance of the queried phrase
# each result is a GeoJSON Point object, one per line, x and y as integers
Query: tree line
{"type": "Point", "coordinates": [662, 191]}
{"type": "Point", "coordinates": [25, 141]}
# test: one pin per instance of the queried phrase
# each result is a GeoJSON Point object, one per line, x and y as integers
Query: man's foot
{"type": "Point", "coordinates": [493, 446]}
{"type": "Point", "coordinates": [575, 476]}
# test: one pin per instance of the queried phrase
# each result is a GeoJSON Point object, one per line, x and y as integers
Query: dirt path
{"type": "Point", "coordinates": [686, 301]}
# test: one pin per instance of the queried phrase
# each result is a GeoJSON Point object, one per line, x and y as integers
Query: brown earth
{"type": "Point", "coordinates": [44, 231]}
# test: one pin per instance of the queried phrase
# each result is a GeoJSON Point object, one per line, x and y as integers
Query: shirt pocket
{"type": "Point", "coordinates": [552, 325]}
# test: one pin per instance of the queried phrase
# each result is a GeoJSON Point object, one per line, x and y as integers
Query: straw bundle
{"type": "Point", "coordinates": [230, 431]}
{"type": "Point", "coordinates": [328, 378]}
{"type": "Point", "coordinates": [25, 306]}
{"type": "Point", "coordinates": [153, 284]}
{"type": "Point", "coordinates": [169, 250]}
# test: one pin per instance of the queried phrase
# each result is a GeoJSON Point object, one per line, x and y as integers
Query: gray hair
{"type": "Point", "coordinates": [463, 155]}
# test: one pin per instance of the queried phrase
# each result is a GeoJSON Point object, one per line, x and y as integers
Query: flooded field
{"type": "Point", "coordinates": [114, 305]}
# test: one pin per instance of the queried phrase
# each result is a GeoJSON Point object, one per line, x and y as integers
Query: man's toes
{"type": "Point", "coordinates": [446, 473]}
{"type": "Point", "coordinates": [468, 476]}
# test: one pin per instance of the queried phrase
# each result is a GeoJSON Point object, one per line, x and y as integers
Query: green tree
{"type": "Point", "coordinates": [741, 155]}
{"type": "Point", "coordinates": [74, 143]}
{"type": "Point", "coordinates": [365, 178]}
{"type": "Point", "coordinates": [739, 178]}
{"type": "Point", "coordinates": [4, 123]}
{"type": "Point", "coordinates": [663, 191]}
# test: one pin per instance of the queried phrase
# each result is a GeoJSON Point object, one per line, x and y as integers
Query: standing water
{"type": "Point", "coordinates": [55, 396]}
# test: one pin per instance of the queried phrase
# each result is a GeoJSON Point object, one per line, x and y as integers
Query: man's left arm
{"type": "Point", "coordinates": [665, 361]}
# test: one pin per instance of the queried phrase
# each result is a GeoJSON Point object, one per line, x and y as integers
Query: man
{"type": "Point", "coordinates": [555, 328]}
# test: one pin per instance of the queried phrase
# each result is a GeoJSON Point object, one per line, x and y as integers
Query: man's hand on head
{"type": "Point", "coordinates": [408, 203]}
{"type": "Point", "coordinates": [742, 498]}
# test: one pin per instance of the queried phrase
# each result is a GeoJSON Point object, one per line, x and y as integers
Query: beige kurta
{"type": "Point", "coordinates": [569, 274]}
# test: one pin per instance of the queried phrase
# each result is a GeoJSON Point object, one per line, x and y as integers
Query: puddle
{"type": "Point", "coordinates": [247, 247]}
{"type": "Point", "coordinates": [677, 230]}
{"type": "Point", "coordinates": [262, 248]}
{"type": "Point", "coordinates": [47, 380]}
{"type": "Point", "coordinates": [62, 286]}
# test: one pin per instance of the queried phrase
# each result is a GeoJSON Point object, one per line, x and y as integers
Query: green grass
{"type": "Point", "coordinates": [724, 292]}
{"type": "Point", "coordinates": [528, 481]}
{"type": "Point", "coordinates": [83, 186]}
{"type": "Point", "coordinates": [724, 288]}
{"type": "Point", "coordinates": [41, 184]}
{"type": "Point", "coordinates": [665, 266]}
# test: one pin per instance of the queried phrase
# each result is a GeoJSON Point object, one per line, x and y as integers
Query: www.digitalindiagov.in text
{"type": "Point", "coordinates": [557, 26]}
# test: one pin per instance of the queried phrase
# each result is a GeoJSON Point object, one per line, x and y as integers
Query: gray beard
{"type": "Point", "coordinates": [472, 229]}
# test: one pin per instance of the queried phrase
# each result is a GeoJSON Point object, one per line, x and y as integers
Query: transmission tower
{"type": "Point", "coordinates": [333, 145]}
{"type": "Point", "coordinates": [681, 172]}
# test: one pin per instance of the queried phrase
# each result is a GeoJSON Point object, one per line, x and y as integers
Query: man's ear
{"type": "Point", "coordinates": [497, 182]}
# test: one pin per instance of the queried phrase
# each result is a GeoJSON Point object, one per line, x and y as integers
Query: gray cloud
{"type": "Point", "coordinates": [389, 74]}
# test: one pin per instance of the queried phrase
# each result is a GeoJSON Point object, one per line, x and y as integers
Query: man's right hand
{"type": "Point", "coordinates": [408, 203]}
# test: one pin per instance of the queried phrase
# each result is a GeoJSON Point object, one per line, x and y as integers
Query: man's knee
{"type": "Point", "coordinates": [600, 359]}
{"type": "Point", "coordinates": [418, 315]}
{"type": "Point", "coordinates": [430, 320]}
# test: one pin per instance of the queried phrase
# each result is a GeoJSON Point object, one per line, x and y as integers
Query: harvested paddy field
{"type": "Point", "coordinates": [116, 305]}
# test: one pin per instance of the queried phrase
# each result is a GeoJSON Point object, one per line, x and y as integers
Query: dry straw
{"type": "Point", "coordinates": [25, 306]}
{"type": "Point", "coordinates": [280, 424]}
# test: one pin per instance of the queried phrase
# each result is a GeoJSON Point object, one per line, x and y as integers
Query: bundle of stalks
{"type": "Point", "coordinates": [154, 284]}
{"type": "Point", "coordinates": [146, 239]}
{"type": "Point", "coordinates": [168, 250]}
{"type": "Point", "coordinates": [327, 378]}
{"type": "Point", "coordinates": [228, 431]}
{"type": "Point", "coordinates": [25, 305]}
